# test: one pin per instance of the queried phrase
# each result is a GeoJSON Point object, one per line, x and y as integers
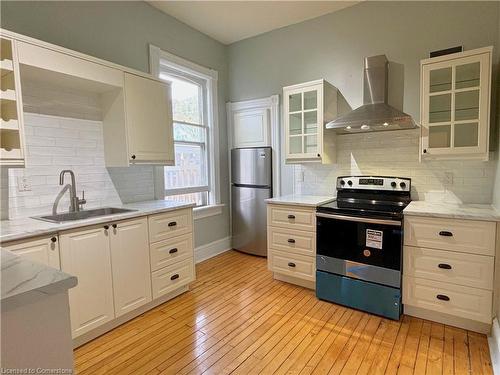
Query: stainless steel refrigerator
{"type": "Point", "coordinates": [251, 185]}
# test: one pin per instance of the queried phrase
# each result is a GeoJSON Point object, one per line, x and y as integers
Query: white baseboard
{"type": "Point", "coordinates": [494, 344]}
{"type": "Point", "coordinates": [212, 249]}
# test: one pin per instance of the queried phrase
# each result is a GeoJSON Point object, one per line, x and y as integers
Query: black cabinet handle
{"type": "Point", "coordinates": [291, 240]}
{"type": "Point", "coordinates": [290, 264]}
{"type": "Point", "coordinates": [173, 277]}
{"type": "Point", "coordinates": [106, 227]}
{"type": "Point", "coordinates": [172, 224]}
{"type": "Point", "coordinates": [425, 151]}
{"type": "Point", "coordinates": [115, 226]}
{"type": "Point", "coordinates": [445, 233]}
{"type": "Point", "coordinates": [291, 217]}
{"type": "Point", "coordinates": [444, 266]}
{"type": "Point", "coordinates": [54, 239]}
{"type": "Point", "coordinates": [442, 297]}
{"type": "Point", "coordinates": [172, 251]}
{"type": "Point", "coordinates": [133, 157]}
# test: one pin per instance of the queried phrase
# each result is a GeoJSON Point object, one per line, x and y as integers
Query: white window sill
{"type": "Point", "coordinates": [207, 211]}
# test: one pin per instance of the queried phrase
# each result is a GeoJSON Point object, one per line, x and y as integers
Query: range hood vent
{"type": "Point", "coordinates": [375, 114]}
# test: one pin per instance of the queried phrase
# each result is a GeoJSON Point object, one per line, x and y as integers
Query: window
{"type": "Point", "coordinates": [194, 178]}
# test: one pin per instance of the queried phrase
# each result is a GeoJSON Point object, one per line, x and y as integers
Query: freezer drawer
{"type": "Point", "coordinates": [249, 219]}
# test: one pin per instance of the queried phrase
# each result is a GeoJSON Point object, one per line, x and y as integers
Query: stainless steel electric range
{"type": "Point", "coordinates": [359, 242]}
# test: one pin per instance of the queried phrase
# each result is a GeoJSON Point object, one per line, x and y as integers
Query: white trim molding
{"type": "Point", "coordinates": [494, 344]}
{"type": "Point", "coordinates": [212, 249]}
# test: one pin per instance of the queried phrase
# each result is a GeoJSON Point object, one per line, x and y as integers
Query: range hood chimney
{"type": "Point", "coordinates": [375, 114]}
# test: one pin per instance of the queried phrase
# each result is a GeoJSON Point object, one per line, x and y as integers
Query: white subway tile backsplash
{"type": "Point", "coordinates": [397, 154]}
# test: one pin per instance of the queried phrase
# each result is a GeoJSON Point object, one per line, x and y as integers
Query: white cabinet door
{"type": "Point", "coordinates": [43, 250]}
{"type": "Point", "coordinates": [148, 108]}
{"type": "Point", "coordinates": [251, 128]}
{"type": "Point", "coordinates": [86, 255]}
{"type": "Point", "coordinates": [131, 269]}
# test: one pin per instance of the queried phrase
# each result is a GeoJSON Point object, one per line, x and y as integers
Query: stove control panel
{"type": "Point", "coordinates": [374, 183]}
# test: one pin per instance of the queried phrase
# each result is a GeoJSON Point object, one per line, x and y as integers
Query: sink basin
{"type": "Point", "coordinates": [81, 215]}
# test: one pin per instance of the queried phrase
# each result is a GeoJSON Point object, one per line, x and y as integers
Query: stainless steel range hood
{"type": "Point", "coordinates": [375, 114]}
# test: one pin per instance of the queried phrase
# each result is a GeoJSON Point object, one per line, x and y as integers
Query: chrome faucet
{"type": "Point", "coordinates": [76, 202]}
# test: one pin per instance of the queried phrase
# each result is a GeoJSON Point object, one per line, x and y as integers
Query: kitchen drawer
{"type": "Point", "coordinates": [467, 236]}
{"type": "Point", "coordinates": [300, 266]}
{"type": "Point", "coordinates": [448, 266]}
{"type": "Point", "coordinates": [170, 224]}
{"type": "Point", "coordinates": [291, 217]}
{"type": "Point", "coordinates": [288, 240]}
{"type": "Point", "coordinates": [167, 252]}
{"type": "Point", "coordinates": [172, 277]}
{"type": "Point", "coordinates": [464, 302]}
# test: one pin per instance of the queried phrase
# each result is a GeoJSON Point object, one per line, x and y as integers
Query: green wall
{"type": "Point", "coordinates": [120, 32]}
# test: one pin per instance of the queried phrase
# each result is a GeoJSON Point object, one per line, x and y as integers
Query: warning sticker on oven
{"type": "Point", "coordinates": [374, 238]}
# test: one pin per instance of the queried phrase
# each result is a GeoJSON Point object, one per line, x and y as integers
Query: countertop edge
{"type": "Point", "coordinates": [287, 200]}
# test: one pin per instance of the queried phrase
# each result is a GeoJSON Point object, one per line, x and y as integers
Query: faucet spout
{"type": "Point", "coordinates": [75, 201]}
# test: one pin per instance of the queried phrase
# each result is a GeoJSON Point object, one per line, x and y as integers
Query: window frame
{"type": "Point", "coordinates": [165, 62]}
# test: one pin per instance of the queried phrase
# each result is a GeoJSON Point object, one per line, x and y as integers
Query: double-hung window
{"type": "Point", "coordinates": [194, 177]}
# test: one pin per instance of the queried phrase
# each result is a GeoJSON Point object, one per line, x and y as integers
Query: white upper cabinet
{"type": "Point", "coordinates": [251, 128]}
{"type": "Point", "coordinates": [148, 107]}
{"type": "Point", "coordinates": [455, 105]}
{"type": "Point", "coordinates": [307, 107]}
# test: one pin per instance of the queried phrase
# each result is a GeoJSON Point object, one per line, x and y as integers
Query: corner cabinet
{"type": "Point", "coordinates": [307, 108]}
{"type": "Point", "coordinates": [455, 105]}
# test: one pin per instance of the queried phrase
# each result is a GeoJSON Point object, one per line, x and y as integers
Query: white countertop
{"type": "Point", "coordinates": [23, 279]}
{"type": "Point", "coordinates": [301, 200]}
{"type": "Point", "coordinates": [18, 229]}
{"type": "Point", "coordinates": [455, 211]}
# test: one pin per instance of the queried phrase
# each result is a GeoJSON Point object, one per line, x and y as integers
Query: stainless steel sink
{"type": "Point", "coordinates": [81, 215]}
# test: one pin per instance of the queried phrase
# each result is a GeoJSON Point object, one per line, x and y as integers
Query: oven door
{"type": "Point", "coordinates": [360, 247]}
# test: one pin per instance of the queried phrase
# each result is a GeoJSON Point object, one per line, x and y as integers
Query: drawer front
{"type": "Point", "coordinates": [291, 217]}
{"type": "Point", "coordinates": [170, 224]}
{"type": "Point", "coordinates": [167, 252]}
{"type": "Point", "coordinates": [468, 236]}
{"type": "Point", "coordinates": [171, 278]}
{"type": "Point", "coordinates": [300, 266]}
{"type": "Point", "coordinates": [464, 302]}
{"type": "Point", "coordinates": [448, 266]}
{"type": "Point", "coordinates": [288, 240]}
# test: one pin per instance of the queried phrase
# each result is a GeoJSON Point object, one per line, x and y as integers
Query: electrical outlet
{"type": "Point", "coordinates": [23, 184]}
{"type": "Point", "coordinates": [448, 178]}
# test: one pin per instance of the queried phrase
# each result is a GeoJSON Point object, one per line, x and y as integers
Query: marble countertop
{"type": "Point", "coordinates": [455, 211]}
{"type": "Point", "coordinates": [23, 280]}
{"type": "Point", "coordinates": [301, 200]}
{"type": "Point", "coordinates": [18, 229]}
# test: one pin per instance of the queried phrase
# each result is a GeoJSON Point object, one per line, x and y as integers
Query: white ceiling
{"type": "Point", "coordinates": [231, 21]}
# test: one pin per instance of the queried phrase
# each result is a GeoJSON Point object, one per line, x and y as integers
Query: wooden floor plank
{"type": "Point", "coordinates": [237, 319]}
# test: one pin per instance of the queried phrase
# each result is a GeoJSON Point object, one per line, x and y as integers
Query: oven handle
{"type": "Point", "coordinates": [360, 219]}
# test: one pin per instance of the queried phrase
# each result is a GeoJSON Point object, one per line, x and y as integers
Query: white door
{"type": "Point", "coordinates": [251, 128]}
{"type": "Point", "coordinates": [86, 255]}
{"type": "Point", "coordinates": [43, 250]}
{"type": "Point", "coordinates": [148, 107]}
{"type": "Point", "coordinates": [131, 269]}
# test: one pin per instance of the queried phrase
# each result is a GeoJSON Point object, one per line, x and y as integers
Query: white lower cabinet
{"type": "Point", "coordinates": [86, 254]}
{"type": "Point", "coordinates": [42, 250]}
{"type": "Point", "coordinates": [130, 264]}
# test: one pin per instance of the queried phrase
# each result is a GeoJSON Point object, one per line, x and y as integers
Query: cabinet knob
{"type": "Point", "coordinates": [442, 297]}
{"type": "Point", "coordinates": [172, 224]}
{"type": "Point", "coordinates": [54, 239]}
{"type": "Point", "coordinates": [444, 266]}
{"type": "Point", "coordinates": [290, 264]}
{"type": "Point", "coordinates": [291, 240]}
{"type": "Point", "coordinates": [445, 233]}
{"type": "Point", "coordinates": [173, 251]}
{"type": "Point", "coordinates": [115, 226]}
{"type": "Point", "coordinates": [133, 157]}
{"type": "Point", "coordinates": [425, 151]}
{"type": "Point", "coordinates": [319, 155]}
{"type": "Point", "coordinates": [106, 227]}
{"type": "Point", "coordinates": [173, 277]}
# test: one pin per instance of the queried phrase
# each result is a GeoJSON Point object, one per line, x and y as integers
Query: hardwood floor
{"type": "Point", "coordinates": [237, 319]}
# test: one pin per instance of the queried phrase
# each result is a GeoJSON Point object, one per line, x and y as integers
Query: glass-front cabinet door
{"type": "Point", "coordinates": [455, 105]}
{"type": "Point", "coordinates": [303, 122]}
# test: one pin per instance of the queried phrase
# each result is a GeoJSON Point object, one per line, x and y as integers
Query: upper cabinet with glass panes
{"type": "Point", "coordinates": [307, 107]}
{"type": "Point", "coordinates": [455, 105]}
